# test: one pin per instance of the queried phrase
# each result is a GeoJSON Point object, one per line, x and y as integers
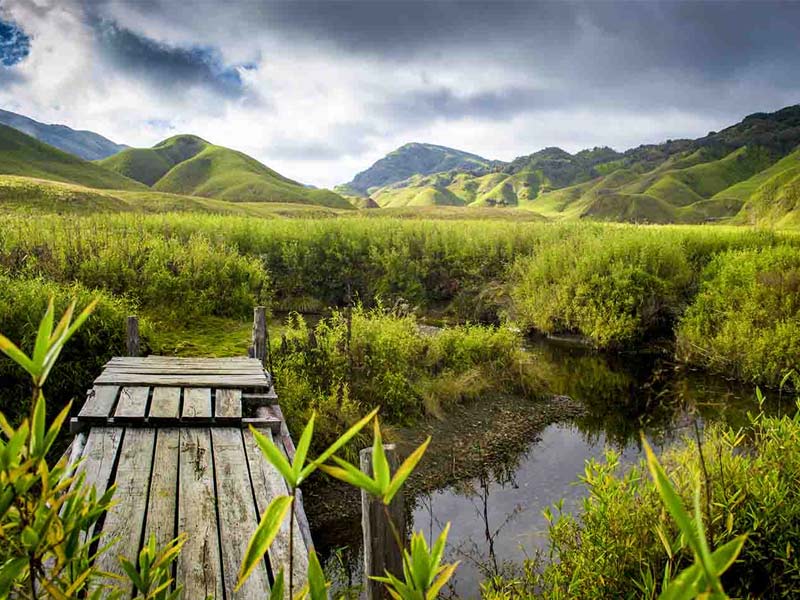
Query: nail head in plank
{"type": "Point", "coordinates": [199, 568]}
{"type": "Point", "coordinates": [132, 403]}
{"type": "Point", "coordinates": [125, 520]}
{"type": "Point", "coordinates": [162, 505]}
{"type": "Point", "coordinates": [196, 403]}
{"type": "Point", "coordinates": [228, 405]}
{"type": "Point", "coordinates": [267, 484]}
{"type": "Point", "coordinates": [165, 403]}
{"type": "Point", "coordinates": [237, 514]}
{"type": "Point", "coordinates": [99, 402]}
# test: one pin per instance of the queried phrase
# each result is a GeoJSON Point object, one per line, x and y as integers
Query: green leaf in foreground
{"type": "Point", "coordinates": [264, 535]}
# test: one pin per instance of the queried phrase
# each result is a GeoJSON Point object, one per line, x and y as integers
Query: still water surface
{"type": "Point", "coordinates": [497, 518]}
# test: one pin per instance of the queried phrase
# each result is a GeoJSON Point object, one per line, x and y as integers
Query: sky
{"type": "Point", "coordinates": [321, 90]}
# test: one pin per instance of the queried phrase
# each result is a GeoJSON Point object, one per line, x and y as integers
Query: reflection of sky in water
{"type": "Point", "coordinates": [546, 474]}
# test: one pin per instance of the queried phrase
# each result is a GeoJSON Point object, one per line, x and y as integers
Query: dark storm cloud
{"type": "Point", "coordinates": [714, 37]}
{"type": "Point", "coordinates": [444, 103]}
{"type": "Point", "coordinates": [166, 66]}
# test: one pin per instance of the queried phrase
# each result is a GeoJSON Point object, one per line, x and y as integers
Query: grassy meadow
{"type": "Point", "coordinates": [726, 295]}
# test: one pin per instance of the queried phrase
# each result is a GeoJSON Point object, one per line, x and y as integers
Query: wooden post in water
{"type": "Point", "coordinates": [132, 336]}
{"type": "Point", "coordinates": [259, 347]}
{"type": "Point", "coordinates": [381, 553]}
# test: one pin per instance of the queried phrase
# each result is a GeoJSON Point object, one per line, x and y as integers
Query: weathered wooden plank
{"type": "Point", "coordinates": [165, 404]}
{"type": "Point", "coordinates": [216, 381]}
{"type": "Point", "coordinates": [99, 455]}
{"type": "Point", "coordinates": [267, 484]}
{"type": "Point", "coordinates": [132, 403]}
{"type": "Point", "coordinates": [99, 402]}
{"type": "Point", "coordinates": [199, 568]}
{"type": "Point", "coordinates": [228, 405]}
{"type": "Point", "coordinates": [237, 514]}
{"type": "Point", "coordinates": [196, 403]}
{"type": "Point", "coordinates": [179, 360]}
{"type": "Point", "coordinates": [184, 370]}
{"type": "Point", "coordinates": [162, 507]}
{"type": "Point", "coordinates": [125, 521]}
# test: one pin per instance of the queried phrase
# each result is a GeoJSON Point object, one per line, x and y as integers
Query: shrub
{"type": "Point", "coordinates": [745, 321]}
{"type": "Point", "coordinates": [613, 289]}
{"type": "Point", "coordinates": [21, 302]}
{"type": "Point", "coordinates": [350, 362]}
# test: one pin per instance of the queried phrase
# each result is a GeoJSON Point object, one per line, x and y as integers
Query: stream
{"type": "Point", "coordinates": [496, 517]}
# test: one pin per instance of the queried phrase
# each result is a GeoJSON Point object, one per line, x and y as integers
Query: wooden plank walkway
{"type": "Point", "coordinates": [173, 435]}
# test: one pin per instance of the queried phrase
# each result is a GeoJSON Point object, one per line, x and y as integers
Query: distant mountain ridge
{"type": "Point", "coordinates": [414, 159]}
{"type": "Point", "coordinates": [746, 171]}
{"type": "Point", "coordinates": [84, 144]}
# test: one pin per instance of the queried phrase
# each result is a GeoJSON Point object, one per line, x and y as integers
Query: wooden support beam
{"type": "Point", "coordinates": [259, 345]}
{"type": "Point", "coordinates": [381, 552]}
{"type": "Point", "coordinates": [133, 336]}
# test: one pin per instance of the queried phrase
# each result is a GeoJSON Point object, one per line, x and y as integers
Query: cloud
{"type": "Point", "coordinates": [169, 66]}
{"type": "Point", "coordinates": [319, 90]}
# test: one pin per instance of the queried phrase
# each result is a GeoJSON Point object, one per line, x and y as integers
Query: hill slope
{"type": "Point", "coordinates": [414, 159]}
{"type": "Point", "coordinates": [23, 155]}
{"type": "Point", "coordinates": [189, 165]}
{"type": "Point", "coordinates": [707, 179]}
{"type": "Point", "coordinates": [84, 144]}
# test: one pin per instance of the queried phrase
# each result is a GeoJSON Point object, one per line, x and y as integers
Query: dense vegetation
{"type": "Point", "coordinates": [347, 363]}
{"type": "Point", "coordinates": [622, 544]}
{"type": "Point", "coordinates": [727, 293]}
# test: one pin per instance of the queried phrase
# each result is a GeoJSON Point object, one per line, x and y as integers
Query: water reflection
{"type": "Point", "coordinates": [497, 517]}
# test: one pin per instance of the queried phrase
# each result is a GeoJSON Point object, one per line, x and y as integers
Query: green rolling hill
{"type": "Point", "coordinates": [23, 155]}
{"type": "Point", "coordinates": [747, 168]}
{"type": "Point", "coordinates": [190, 166]}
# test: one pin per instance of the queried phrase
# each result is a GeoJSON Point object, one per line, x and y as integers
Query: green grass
{"type": "Point", "coordinates": [22, 155]}
{"type": "Point", "coordinates": [28, 195]}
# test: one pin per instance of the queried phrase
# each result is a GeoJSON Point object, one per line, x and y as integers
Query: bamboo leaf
{"type": "Point", "coordinates": [302, 450]}
{"type": "Point", "coordinates": [352, 475]}
{"type": "Point", "coordinates": [275, 457]}
{"type": "Point", "coordinates": [8, 348]}
{"type": "Point", "coordinates": [37, 426]}
{"type": "Point", "coordinates": [724, 556]}
{"type": "Point", "coordinates": [317, 585]}
{"type": "Point", "coordinates": [43, 335]}
{"type": "Point", "coordinates": [343, 439]}
{"type": "Point", "coordinates": [380, 464]}
{"type": "Point", "coordinates": [64, 322]}
{"type": "Point", "coordinates": [443, 578]}
{"type": "Point", "coordinates": [404, 471]}
{"type": "Point", "coordinates": [264, 535]}
{"type": "Point", "coordinates": [276, 592]}
{"type": "Point", "coordinates": [670, 498]}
